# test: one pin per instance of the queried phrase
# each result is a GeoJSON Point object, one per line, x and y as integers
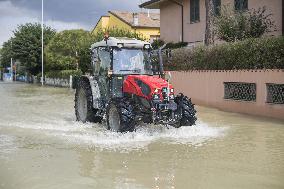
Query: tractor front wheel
{"type": "Point", "coordinates": [120, 116]}
{"type": "Point", "coordinates": [187, 111]}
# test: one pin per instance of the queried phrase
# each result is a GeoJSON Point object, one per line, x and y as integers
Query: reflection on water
{"type": "Point", "coordinates": [40, 137]}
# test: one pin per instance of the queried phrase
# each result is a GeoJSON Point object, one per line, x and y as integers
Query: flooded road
{"type": "Point", "coordinates": [41, 146]}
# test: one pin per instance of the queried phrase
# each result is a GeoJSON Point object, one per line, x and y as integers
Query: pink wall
{"type": "Point", "coordinates": [170, 22]}
{"type": "Point", "coordinates": [207, 88]}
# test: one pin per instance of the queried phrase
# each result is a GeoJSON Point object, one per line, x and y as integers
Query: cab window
{"type": "Point", "coordinates": [104, 60]}
{"type": "Point", "coordinates": [95, 61]}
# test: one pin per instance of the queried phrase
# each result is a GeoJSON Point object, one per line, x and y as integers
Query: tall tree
{"type": "Point", "coordinates": [209, 30]}
{"type": "Point", "coordinates": [69, 49]}
{"type": "Point", "coordinates": [6, 54]}
{"type": "Point", "coordinates": [117, 32]}
{"type": "Point", "coordinates": [26, 45]}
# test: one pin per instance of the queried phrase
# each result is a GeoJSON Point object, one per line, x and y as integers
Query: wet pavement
{"type": "Point", "coordinates": [42, 146]}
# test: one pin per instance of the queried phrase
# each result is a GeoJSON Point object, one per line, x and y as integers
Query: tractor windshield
{"type": "Point", "coordinates": [131, 61]}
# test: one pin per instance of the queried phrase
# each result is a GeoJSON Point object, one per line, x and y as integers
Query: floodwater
{"type": "Point", "coordinates": [42, 146]}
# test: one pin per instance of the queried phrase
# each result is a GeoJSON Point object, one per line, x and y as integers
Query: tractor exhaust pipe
{"type": "Point", "coordinates": [168, 90]}
{"type": "Point", "coordinates": [161, 60]}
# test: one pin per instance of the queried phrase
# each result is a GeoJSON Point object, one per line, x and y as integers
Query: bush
{"type": "Point", "coordinates": [263, 53]}
{"type": "Point", "coordinates": [176, 45]}
{"type": "Point", "coordinates": [233, 25]}
{"type": "Point", "coordinates": [63, 74]}
{"type": "Point", "coordinates": [158, 43]}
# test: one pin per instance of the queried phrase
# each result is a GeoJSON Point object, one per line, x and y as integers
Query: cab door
{"type": "Point", "coordinates": [101, 72]}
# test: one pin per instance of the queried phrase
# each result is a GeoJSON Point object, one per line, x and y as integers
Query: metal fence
{"type": "Point", "coordinates": [275, 93]}
{"type": "Point", "coordinates": [240, 91]}
{"type": "Point", "coordinates": [247, 92]}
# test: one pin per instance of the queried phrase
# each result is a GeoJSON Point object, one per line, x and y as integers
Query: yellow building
{"type": "Point", "coordinates": [147, 24]}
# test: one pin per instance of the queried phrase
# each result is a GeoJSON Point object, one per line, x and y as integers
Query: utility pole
{"type": "Point", "coordinates": [12, 62]}
{"type": "Point", "coordinates": [42, 42]}
{"type": "Point", "coordinates": [15, 71]}
{"type": "Point", "coordinates": [12, 69]}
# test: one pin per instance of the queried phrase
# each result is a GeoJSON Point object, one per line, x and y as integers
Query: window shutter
{"type": "Point", "coordinates": [197, 17]}
{"type": "Point", "coordinates": [237, 4]}
{"type": "Point", "coordinates": [217, 7]}
{"type": "Point", "coordinates": [245, 5]}
{"type": "Point", "coordinates": [191, 10]}
{"type": "Point", "coordinates": [194, 10]}
{"type": "Point", "coordinates": [241, 5]}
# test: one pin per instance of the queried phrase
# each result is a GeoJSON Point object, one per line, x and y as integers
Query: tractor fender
{"type": "Point", "coordinates": [95, 90]}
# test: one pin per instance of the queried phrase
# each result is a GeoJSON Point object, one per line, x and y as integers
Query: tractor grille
{"type": "Point", "coordinates": [165, 92]}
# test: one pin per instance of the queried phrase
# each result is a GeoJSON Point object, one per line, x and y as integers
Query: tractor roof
{"type": "Point", "coordinates": [126, 42]}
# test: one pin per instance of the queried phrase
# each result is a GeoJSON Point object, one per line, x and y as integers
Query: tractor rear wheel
{"type": "Point", "coordinates": [120, 116]}
{"type": "Point", "coordinates": [187, 110]}
{"type": "Point", "coordinates": [84, 103]}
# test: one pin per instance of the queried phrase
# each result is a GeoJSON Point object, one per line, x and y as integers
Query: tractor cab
{"type": "Point", "coordinates": [121, 56]}
{"type": "Point", "coordinates": [114, 59]}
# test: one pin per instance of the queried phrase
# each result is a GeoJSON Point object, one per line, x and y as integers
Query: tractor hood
{"type": "Point", "coordinates": [144, 85]}
{"type": "Point", "coordinates": [152, 81]}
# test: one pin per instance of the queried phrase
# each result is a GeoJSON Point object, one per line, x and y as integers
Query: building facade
{"type": "Point", "coordinates": [184, 20]}
{"type": "Point", "coordinates": [147, 24]}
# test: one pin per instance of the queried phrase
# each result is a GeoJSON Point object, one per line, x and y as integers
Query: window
{"type": "Point", "coordinates": [104, 60]}
{"type": "Point", "coordinates": [241, 5]}
{"type": "Point", "coordinates": [217, 7]}
{"type": "Point", "coordinates": [95, 62]}
{"type": "Point", "coordinates": [194, 11]}
{"type": "Point", "coordinates": [131, 61]}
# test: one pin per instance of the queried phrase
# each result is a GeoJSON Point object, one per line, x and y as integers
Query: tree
{"type": "Point", "coordinates": [26, 45]}
{"type": "Point", "coordinates": [69, 49]}
{"type": "Point", "coordinates": [6, 54]}
{"type": "Point", "coordinates": [209, 31]}
{"type": "Point", "coordinates": [117, 32]}
{"type": "Point", "coordinates": [233, 25]}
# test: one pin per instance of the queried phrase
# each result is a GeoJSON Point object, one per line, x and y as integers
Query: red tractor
{"type": "Point", "coordinates": [126, 87]}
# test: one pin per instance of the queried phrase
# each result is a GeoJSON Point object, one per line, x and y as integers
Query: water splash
{"type": "Point", "coordinates": [96, 136]}
{"type": "Point", "coordinates": [143, 137]}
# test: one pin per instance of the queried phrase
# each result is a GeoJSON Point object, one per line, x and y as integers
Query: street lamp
{"type": "Point", "coordinates": [42, 42]}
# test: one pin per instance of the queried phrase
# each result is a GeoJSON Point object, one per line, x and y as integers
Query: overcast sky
{"type": "Point", "coordinates": [59, 14]}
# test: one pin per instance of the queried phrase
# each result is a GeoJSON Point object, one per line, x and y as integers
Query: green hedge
{"type": "Point", "coordinates": [158, 43]}
{"type": "Point", "coordinates": [261, 53]}
{"type": "Point", "coordinates": [64, 74]}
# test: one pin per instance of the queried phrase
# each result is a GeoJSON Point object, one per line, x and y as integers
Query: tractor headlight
{"type": "Point", "coordinates": [156, 97]}
{"type": "Point", "coordinates": [156, 90]}
{"type": "Point", "coordinates": [172, 90]}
